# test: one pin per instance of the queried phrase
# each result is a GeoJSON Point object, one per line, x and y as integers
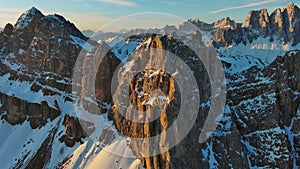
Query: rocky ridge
{"type": "Point", "coordinates": [282, 24]}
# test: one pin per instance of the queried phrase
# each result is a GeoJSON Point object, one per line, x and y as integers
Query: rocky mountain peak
{"type": "Point", "coordinates": [202, 25]}
{"type": "Point", "coordinates": [33, 21]}
{"type": "Point", "coordinates": [32, 25]}
{"type": "Point", "coordinates": [55, 22]}
{"type": "Point", "coordinates": [257, 19]}
{"type": "Point", "coordinates": [291, 6]}
{"type": "Point", "coordinates": [292, 11]}
{"type": "Point", "coordinates": [28, 17]}
{"type": "Point", "coordinates": [225, 23]}
{"type": "Point", "coordinates": [8, 29]}
{"type": "Point", "coordinates": [43, 50]}
{"type": "Point", "coordinates": [282, 25]}
{"type": "Point", "coordinates": [277, 18]}
{"type": "Point", "coordinates": [43, 43]}
{"type": "Point", "coordinates": [291, 15]}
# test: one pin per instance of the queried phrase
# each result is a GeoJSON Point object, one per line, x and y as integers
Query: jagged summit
{"type": "Point", "coordinates": [283, 24]}
{"type": "Point", "coordinates": [257, 19]}
{"type": "Point", "coordinates": [34, 20]}
{"type": "Point", "coordinates": [225, 23]}
{"type": "Point", "coordinates": [291, 5]}
{"type": "Point", "coordinates": [260, 18]}
{"type": "Point", "coordinates": [33, 9]}
{"type": "Point", "coordinates": [43, 43]}
{"type": "Point", "coordinates": [28, 16]}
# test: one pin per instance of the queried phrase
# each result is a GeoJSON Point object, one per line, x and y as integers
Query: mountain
{"type": "Point", "coordinates": [88, 33]}
{"type": "Point", "coordinates": [258, 128]}
{"type": "Point", "coordinates": [282, 24]}
{"type": "Point", "coordinates": [39, 124]}
{"type": "Point", "coordinates": [57, 109]}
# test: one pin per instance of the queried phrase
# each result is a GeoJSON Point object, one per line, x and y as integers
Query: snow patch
{"type": "Point", "coordinates": [85, 45]}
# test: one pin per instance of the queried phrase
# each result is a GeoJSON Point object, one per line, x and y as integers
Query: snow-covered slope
{"type": "Point", "coordinates": [261, 52]}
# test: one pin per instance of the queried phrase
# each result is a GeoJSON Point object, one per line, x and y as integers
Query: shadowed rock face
{"type": "Point", "coordinates": [258, 20]}
{"type": "Point", "coordinates": [266, 114]}
{"type": "Point", "coordinates": [17, 111]}
{"type": "Point", "coordinates": [41, 48]}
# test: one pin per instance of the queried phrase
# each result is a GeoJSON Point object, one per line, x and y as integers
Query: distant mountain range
{"type": "Point", "coordinates": [39, 123]}
{"type": "Point", "coordinates": [283, 24]}
{"type": "Point", "coordinates": [88, 33]}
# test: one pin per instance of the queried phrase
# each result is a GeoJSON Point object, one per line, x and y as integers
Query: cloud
{"type": "Point", "coordinates": [171, 3]}
{"type": "Point", "coordinates": [120, 2]}
{"type": "Point", "coordinates": [243, 6]}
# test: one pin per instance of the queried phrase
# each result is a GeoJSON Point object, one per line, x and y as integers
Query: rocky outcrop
{"type": "Point", "coordinates": [258, 20]}
{"type": "Point", "coordinates": [8, 29]}
{"type": "Point", "coordinates": [265, 107]}
{"type": "Point", "coordinates": [16, 111]}
{"type": "Point", "coordinates": [73, 131]}
{"type": "Point", "coordinates": [285, 23]}
{"type": "Point", "coordinates": [141, 102]}
{"type": "Point", "coordinates": [226, 23]}
{"type": "Point", "coordinates": [104, 74]}
{"type": "Point", "coordinates": [225, 31]}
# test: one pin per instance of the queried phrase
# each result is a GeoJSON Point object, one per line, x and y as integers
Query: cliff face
{"type": "Point", "coordinates": [158, 81]}
{"type": "Point", "coordinates": [18, 111]}
{"type": "Point", "coordinates": [188, 152]}
{"type": "Point", "coordinates": [258, 20]}
{"type": "Point", "coordinates": [264, 109]}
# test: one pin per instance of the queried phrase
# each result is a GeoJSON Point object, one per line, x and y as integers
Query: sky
{"type": "Point", "coordinates": [95, 14]}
